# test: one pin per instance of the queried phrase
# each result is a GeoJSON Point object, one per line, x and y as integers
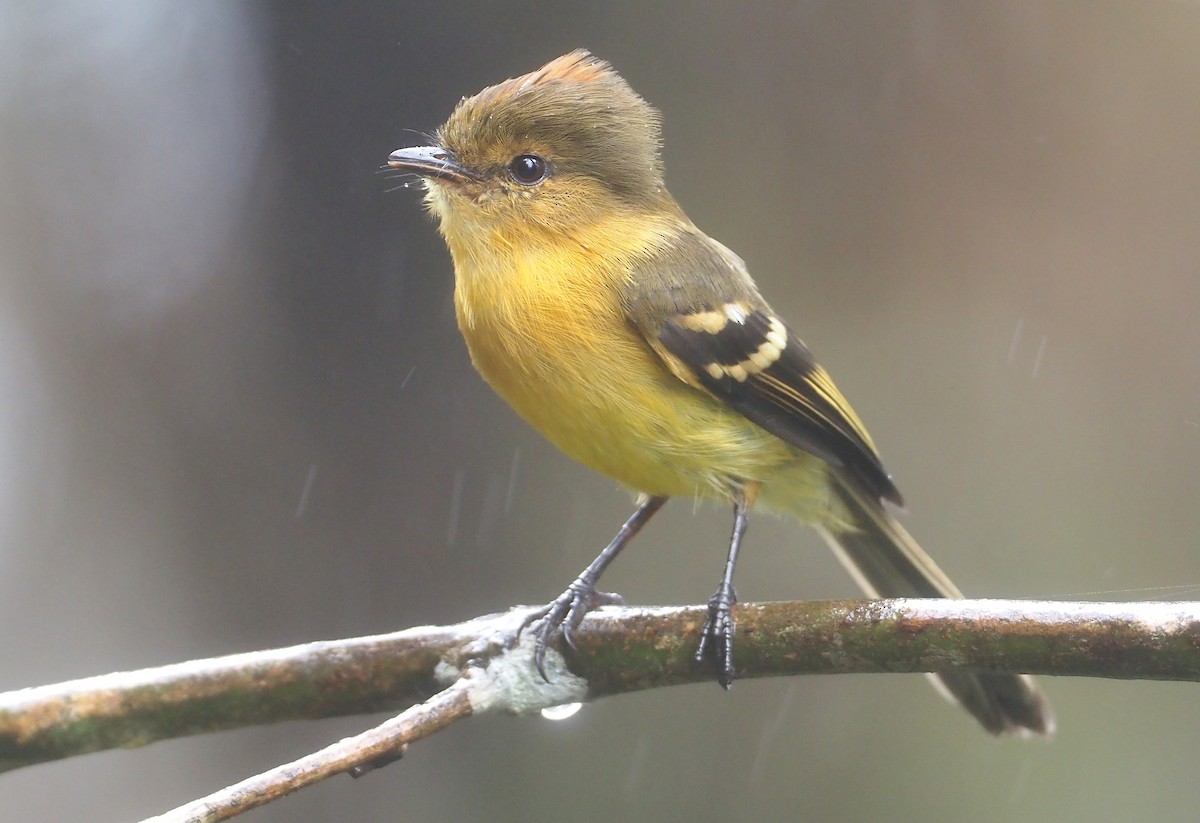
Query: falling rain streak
{"type": "Point", "coordinates": [1015, 345]}
{"type": "Point", "coordinates": [1037, 360]}
{"type": "Point", "coordinates": [512, 480]}
{"type": "Point", "coordinates": [490, 512]}
{"type": "Point", "coordinates": [770, 731]}
{"type": "Point", "coordinates": [497, 502]}
{"type": "Point", "coordinates": [404, 382]}
{"type": "Point", "coordinates": [456, 495]}
{"type": "Point", "coordinates": [1016, 341]}
{"type": "Point", "coordinates": [637, 766]}
{"type": "Point", "coordinates": [304, 493]}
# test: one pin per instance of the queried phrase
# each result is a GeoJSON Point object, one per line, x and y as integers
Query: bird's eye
{"type": "Point", "coordinates": [527, 169]}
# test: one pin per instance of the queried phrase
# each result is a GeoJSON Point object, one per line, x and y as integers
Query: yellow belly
{"type": "Point", "coordinates": [561, 353]}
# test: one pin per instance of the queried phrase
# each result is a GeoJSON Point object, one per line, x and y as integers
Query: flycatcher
{"type": "Point", "coordinates": [642, 348]}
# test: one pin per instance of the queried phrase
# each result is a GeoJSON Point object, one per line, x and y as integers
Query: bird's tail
{"type": "Point", "coordinates": [886, 561]}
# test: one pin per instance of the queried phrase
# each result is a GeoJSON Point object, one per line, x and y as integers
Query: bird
{"type": "Point", "coordinates": [642, 348]}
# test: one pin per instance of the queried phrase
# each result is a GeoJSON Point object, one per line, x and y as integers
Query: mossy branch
{"type": "Point", "coordinates": [437, 675]}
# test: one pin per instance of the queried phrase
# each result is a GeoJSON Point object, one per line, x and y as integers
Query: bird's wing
{"type": "Point", "coordinates": [719, 335]}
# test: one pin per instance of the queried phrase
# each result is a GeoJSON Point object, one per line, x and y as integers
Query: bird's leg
{"type": "Point", "coordinates": [565, 613]}
{"type": "Point", "coordinates": [718, 630]}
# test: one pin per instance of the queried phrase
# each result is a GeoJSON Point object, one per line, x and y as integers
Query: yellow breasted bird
{"type": "Point", "coordinates": [642, 348]}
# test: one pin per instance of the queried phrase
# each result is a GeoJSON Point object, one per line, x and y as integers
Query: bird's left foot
{"type": "Point", "coordinates": [564, 614]}
{"type": "Point", "coordinates": [717, 635]}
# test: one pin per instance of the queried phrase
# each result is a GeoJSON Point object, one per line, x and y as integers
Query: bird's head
{"type": "Point", "coordinates": [553, 150]}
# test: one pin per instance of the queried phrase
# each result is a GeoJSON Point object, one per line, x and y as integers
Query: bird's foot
{"type": "Point", "coordinates": [563, 615]}
{"type": "Point", "coordinates": [716, 637]}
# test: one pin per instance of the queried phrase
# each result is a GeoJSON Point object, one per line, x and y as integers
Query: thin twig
{"type": "Point", "coordinates": [385, 741]}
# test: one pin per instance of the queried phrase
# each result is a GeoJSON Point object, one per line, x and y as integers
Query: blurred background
{"type": "Point", "coordinates": [236, 413]}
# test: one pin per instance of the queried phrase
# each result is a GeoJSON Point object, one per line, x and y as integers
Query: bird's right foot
{"type": "Point", "coordinates": [563, 615]}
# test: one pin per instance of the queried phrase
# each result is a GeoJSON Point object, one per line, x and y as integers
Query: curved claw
{"type": "Point", "coordinates": [718, 633]}
{"type": "Point", "coordinates": [563, 615]}
{"type": "Point", "coordinates": [539, 649]}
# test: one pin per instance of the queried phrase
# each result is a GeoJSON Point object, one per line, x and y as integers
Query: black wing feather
{"type": "Point", "coordinates": [700, 311]}
{"type": "Point", "coordinates": [792, 397]}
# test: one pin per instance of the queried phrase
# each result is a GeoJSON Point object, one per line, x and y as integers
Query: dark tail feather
{"type": "Point", "coordinates": [886, 562]}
